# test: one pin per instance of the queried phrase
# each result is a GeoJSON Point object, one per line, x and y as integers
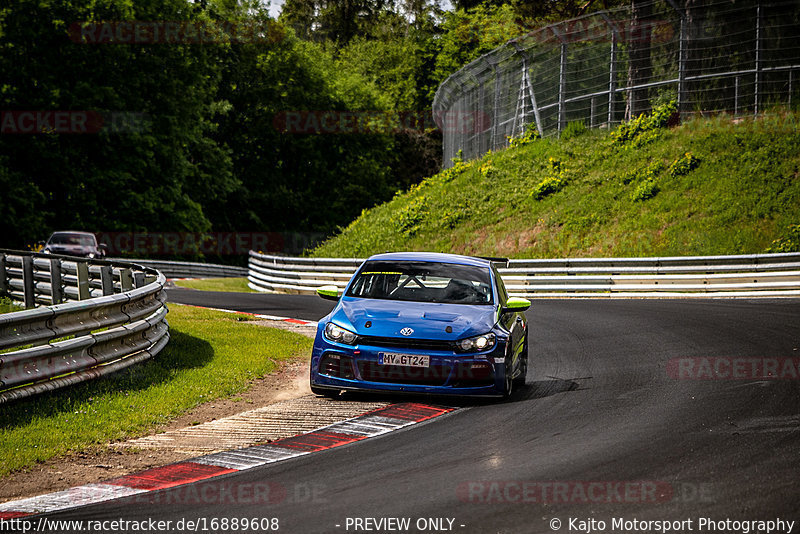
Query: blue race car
{"type": "Point", "coordinates": [424, 323]}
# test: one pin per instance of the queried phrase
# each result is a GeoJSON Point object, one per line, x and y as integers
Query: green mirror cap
{"type": "Point", "coordinates": [517, 304]}
{"type": "Point", "coordinates": [328, 292]}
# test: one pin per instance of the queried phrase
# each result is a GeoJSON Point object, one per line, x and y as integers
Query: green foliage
{"type": "Point", "coordinates": [787, 243]}
{"type": "Point", "coordinates": [548, 186]}
{"type": "Point", "coordinates": [573, 129]}
{"type": "Point", "coordinates": [683, 165]}
{"type": "Point", "coordinates": [644, 190]}
{"type": "Point", "coordinates": [409, 218]}
{"type": "Point", "coordinates": [468, 34]}
{"type": "Point", "coordinates": [553, 183]}
{"type": "Point", "coordinates": [531, 134]}
{"type": "Point", "coordinates": [644, 124]}
{"type": "Point", "coordinates": [649, 172]}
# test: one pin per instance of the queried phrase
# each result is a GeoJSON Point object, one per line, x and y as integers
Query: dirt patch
{"type": "Point", "coordinates": [98, 463]}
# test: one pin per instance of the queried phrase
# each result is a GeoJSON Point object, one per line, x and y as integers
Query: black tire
{"type": "Point", "coordinates": [508, 381]}
{"type": "Point", "coordinates": [329, 393]}
{"type": "Point", "coordinates": [523, 364]}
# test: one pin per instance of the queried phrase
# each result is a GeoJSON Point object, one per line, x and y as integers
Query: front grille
{"type": "Point", "coordinates": [336, 365]}
{"type": "Point", "coordinates": [407, 343]}
{"type": "Point", "coordinates": [473, 374]}
{"type": "Point", "coordinates": [435, 375]}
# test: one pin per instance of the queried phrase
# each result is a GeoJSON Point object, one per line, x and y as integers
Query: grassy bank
{"type": "Point", "coordinates": [233, 285]}
{"type": "Point", "coordinates": [708, 186]}
{"type": "Point", "coordinates": [210, 355]}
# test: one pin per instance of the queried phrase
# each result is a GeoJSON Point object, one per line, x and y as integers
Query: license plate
{"type": "Point", "coordinates": [404, 360]}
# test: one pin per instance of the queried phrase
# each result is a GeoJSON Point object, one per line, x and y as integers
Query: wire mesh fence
{"type": "Point", "coordinates": [609, 66]}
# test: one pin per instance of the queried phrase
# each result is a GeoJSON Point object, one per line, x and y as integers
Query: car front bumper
{"type": "Point", "coordinates": [338, 366]}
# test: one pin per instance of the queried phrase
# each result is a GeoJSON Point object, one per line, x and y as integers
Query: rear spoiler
{"type": "Point", "coordinates": [493, 259]}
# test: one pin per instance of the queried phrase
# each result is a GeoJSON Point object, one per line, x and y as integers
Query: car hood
{"type": "Point", "coordinates": [428, 320]}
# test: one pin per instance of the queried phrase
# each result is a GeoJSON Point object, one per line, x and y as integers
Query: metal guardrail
{"type": "Point", "coordinates": [682, 276]}
{"type": "Point", "coordinates": [186, 269]}
{"type": "Point", "coordinates": [99, 317]}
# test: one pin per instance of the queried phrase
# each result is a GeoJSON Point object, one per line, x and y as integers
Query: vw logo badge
{"type": "Point", "coordinates": [407, 331]}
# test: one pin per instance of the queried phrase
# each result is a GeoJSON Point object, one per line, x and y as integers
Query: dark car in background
{"type": "Point", "coordinates": [83, 244]}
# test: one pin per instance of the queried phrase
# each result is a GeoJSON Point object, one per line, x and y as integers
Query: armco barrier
{"type": "Point", "coordinates": [186, 269]}
{"type": "Point", "coordinates": [687, 276]}
{"type": "Point", "coordinates": [100, 317]}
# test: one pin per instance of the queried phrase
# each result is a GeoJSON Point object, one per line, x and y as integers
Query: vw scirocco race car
{"type": "Point", "coordinates": [422, 323]}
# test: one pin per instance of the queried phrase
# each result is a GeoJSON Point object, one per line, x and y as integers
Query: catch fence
{"type": "Point", "coordinates": [609, 66]}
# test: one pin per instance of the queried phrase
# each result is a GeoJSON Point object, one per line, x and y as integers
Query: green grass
{"type": "Point", "coordinates": [715, 186]}
{"type": "Point", "coordinates": [7, 305]}
{"type": "Point", "coordinates": [210, 355]}
{"type": "Point", "coordinates": [233, 285]}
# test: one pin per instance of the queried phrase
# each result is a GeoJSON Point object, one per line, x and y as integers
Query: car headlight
{"type": "Point", "coordinates": [339, 335]}
{"type": "Point", "coordinates": [476, 344]}
{"type": "Point", "coordinates": [91, 254]}
{"type": "Point", "coordinates": [46, 251]}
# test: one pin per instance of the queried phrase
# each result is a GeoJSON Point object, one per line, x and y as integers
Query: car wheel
{"type": "Point", "coordinates": [523, 365]}
{"type": "Point", "coordinates": [330, 393]}
{"type": "Point", "coordinates": [508, 381]}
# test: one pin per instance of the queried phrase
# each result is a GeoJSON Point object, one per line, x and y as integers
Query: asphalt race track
{"type": "Point", "coordinates": [601, 431]}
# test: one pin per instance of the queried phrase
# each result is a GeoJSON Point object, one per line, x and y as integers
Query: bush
{"type": "Point", "coordinates": [631, 130]}
{"type": "Point", "coordinates": [531, 134]}
{"type": "Point", "coordinates": [573, 129]}
{"type": "Point", "coordinates": [789, 242]}
{"type": "Point", "coordinates": [683, 165]}
{"type": "Point", "coordinates": [548, 186]}
{"type": "Point", "coordinates": [408, 219]}
{"type": "Point", "coordinates": [643, 191]}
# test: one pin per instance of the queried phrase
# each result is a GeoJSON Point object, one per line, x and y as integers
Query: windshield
{"type": "Point", "coordinates": [447, 283]}
{"type": "Point", "coordinates": [72, 239]}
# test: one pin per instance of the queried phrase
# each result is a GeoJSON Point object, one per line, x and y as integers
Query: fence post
{"type": "Point", "coordinates": [592, 110]}
{"type": "Point", "coordinates": [28, 285]}
{"type": "Point", "coordinates": [56, 292]}
{"type": "Point", "coordinates": [612, 70]}
{"type": "Point", "coordinates": [495, 106]}
{"type": "Point", "coordinates": [790, 96]}
{"type": "Point", "coordinates": [736, 96]}
{"type": "Point", "coordinates": [681, 56]}
{"type": "Point", "coordinates": [3, 279]}
{"type": "Point", "coordinates": [562, 82]}
{"type": "Point", "coordinates": [758, 57]}
{"type": "Point", "coordinates": [106, 280]}
{"type": "Point", "coordinates": [83, 280]}
{"type": "Point", "coordinates": [125, 280]}
{"type": "Point", "coordinates": [138, 279]}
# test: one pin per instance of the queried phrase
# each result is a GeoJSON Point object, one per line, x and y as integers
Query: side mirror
{"type": "Point", "coordinates": [516, 304]}
{"type": "Point", "coordinates": [328, 292]}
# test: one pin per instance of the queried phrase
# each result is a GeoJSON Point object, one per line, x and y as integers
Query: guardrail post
{"type": "Point", "coordinates": [106, 280]}
{"type": "Point", "coordinates": [3, 279]}
{"type": "Point", "coordinates": [138, 279]}
{"type": "Point", "coordinates": [125, 280]}
{"type": "Point", "coordinates": [84, 292]}
{"type": "Point", "coordinates": [56, 291]}
{"type": "Point", "coordinates": [29, 288]}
